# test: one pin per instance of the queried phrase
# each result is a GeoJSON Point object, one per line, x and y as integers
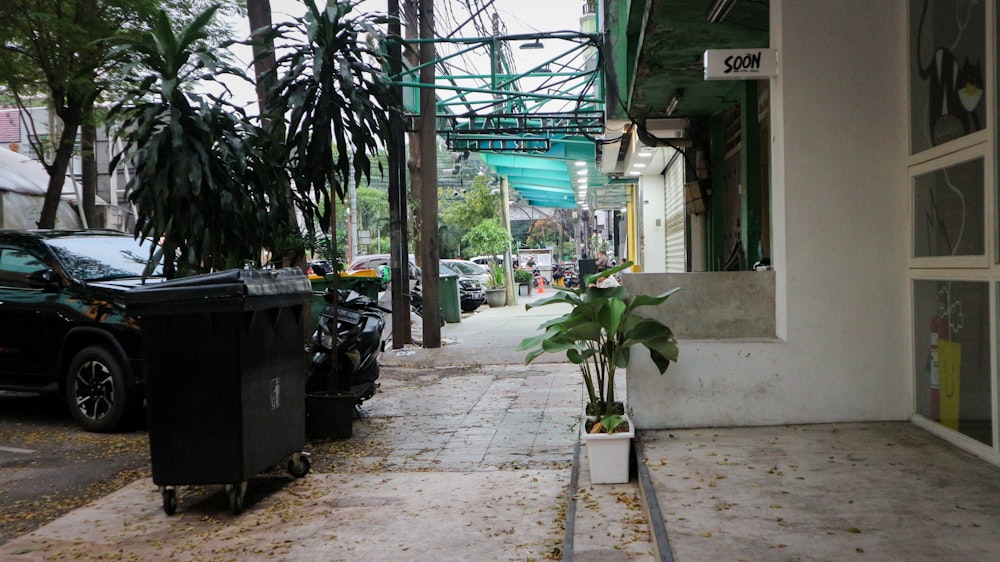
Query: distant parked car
{"type": "Point", "coordinates": [469, 269]}
{"type": "Point", "coordinates": [485, 260]}
{"type": "Point", "coordinates": [376, 261]}
{"type": "Point", "coordinates": [63, 327]}
{"type": "Point", "coordinates": [470, 289]}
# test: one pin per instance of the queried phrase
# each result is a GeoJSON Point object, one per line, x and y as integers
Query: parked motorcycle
{"type": "Point", "coordinates": [570, 278]}
{"type": "Point", "coordinates": [359, 326]}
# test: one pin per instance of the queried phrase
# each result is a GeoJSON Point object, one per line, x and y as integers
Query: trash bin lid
{"type": "Point", "coordinates": [275, 281]}
{"type": "Point", "coordinates": [234, 287]}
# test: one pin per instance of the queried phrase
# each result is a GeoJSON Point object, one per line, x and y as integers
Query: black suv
{"type": "Point", "coordinates": [63, 326]}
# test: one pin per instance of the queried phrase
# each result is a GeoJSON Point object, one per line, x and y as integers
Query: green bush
{"type": "Point", "coordinates": [496, 280]}
{"type": "Point", "coordinates": [523, 276]}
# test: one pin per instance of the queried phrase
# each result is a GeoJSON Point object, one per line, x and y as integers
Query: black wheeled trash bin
{"type": "Point", "coordinates": [224, 369]}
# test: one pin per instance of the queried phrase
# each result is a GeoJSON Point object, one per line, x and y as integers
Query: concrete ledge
{"type": "Point", "coordinates": [717, 305]}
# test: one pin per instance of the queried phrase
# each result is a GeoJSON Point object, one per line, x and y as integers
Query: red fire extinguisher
{"type": "Point", "coordinates": [939, 332]}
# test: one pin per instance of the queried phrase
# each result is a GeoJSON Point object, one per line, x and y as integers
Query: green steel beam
{"type": "Point", "coordinates": [528, 126]}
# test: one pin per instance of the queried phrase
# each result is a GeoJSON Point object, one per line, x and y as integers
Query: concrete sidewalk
{"type": "Point", "coordinates": [464, 454]}
{"type": "Point", "coordinates": [859, 491]}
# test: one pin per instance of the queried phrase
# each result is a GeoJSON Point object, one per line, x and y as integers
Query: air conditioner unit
{"type": "Point", "coordinates": [670, 128]}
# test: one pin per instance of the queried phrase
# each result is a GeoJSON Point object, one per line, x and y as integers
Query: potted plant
{"type": "Point", "coordinates": [523, 278]}
{"type": "Point", "coordinates": [490, 238]}
{"type": "Point", "coordinates": [597, 334]}
{"type": "Point", "coordinates": [496, 294]}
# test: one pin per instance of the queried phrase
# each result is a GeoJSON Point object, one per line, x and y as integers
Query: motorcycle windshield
{"type": "Point", "coordinates": [344, 314]}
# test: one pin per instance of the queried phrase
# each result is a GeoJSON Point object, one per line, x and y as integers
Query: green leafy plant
{"type": "Point", "coordinates": [488, 238]}
{"type": "Point", "coordinates": [202, 170]}
{"type": "Point", "coordinates": [496, 279]}
{"type": "Point", "coordinates": [333, 96]}
{"type": "Point", "coordinates": [523, 276]}
{"type": "Point", "coordinates": [597, 335]}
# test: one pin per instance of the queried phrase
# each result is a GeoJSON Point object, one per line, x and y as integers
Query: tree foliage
{"type": "Point", "coordinates": [193, 156]}
{"type": "Point", "coordinates": [212, 184]}
{"type": "Point", "coordinates": [543, 232]}
{"type": "Point", "coordinates": [53, 49]}
{"type": "Point", "coordinates": [58, 50]}
{"type": "Point", "coordinates": [477, 205]}
{"type": "Point", "coordinates": [487, 238]}
{"type": "Point", "coordinates": [373, 208]}
{"type": "Point", "coordinates": [330, 79]}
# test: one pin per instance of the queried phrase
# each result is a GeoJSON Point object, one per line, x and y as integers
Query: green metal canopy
{"type": "Point", "coordinates": [535, 127]}
{"type": "Point", "coordinates": [552, 178]}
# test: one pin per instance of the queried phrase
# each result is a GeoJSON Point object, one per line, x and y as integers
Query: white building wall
{"type": "Point", "coordinates": [654, 224]}
{"type": "Point", "coordinates": [839, 234]}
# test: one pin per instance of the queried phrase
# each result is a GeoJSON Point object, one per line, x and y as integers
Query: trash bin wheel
{"type": "Point", "coordinates": [169, 499]}
{"type": "Point", "coordinates": [299, 465]}
{"type": "Point", "coordinates": [236, 493]}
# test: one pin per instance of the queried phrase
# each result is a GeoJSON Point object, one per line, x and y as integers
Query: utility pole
{"type": "Point", "coordinates": [398, 258]}
{"type": "Point", "coordinates": [427, 185]}
{"type": "Point", "coordinates": [508, 266]}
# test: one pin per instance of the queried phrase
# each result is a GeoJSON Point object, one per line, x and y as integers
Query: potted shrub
{"type": "Point", "coordinates": [596, 335]}
{"type": "Point", "coordinates": [496, 294]}
{"type": "Point", "coordinates": [523, 278]}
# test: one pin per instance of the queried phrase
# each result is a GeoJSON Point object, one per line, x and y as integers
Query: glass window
{"type": "Point", "coordinates": [947, 71]}
{"type": "Point", "coordinates": [952, 362]}
{"type": "Point", "coordinates": [948, 211]}
{"type": "Point", "coordinates": [15, 265]}
{"type": "Point", "coordinates": [90, 258]}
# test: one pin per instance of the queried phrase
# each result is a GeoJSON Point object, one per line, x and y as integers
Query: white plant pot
{"type": "Point", "coordinates": [608, 455]}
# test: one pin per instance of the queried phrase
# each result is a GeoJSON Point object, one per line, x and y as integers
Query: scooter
{"type": "Point", "coordinates": [359, 326]}
{"type": "Point", "coordinates": [570, 278]}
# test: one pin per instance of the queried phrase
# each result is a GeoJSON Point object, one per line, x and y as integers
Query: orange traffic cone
{"type": "Point", "coordinates": [541, 285]}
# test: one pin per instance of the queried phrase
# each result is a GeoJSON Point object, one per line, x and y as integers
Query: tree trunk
{"type": "Point", "coordinates": [88, 167]}
{"type": "Point", "coordinates": [259, 15]}
{"type": "Point", "coordinates": [57, 173]}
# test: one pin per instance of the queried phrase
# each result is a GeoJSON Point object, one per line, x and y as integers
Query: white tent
{"type": "Point", "coordinates": [23, 183]}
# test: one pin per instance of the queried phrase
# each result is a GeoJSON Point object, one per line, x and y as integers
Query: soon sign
{"type": "Point", "coordinates": [740, 64]}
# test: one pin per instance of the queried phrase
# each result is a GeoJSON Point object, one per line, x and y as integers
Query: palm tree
{"type": "Point", "coordinates": [337, 97]}
{"type": "Point", "coordinates": [204, 174]}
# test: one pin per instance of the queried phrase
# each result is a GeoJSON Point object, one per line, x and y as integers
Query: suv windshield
{"type": "Point", "coordinates": [90, 258]}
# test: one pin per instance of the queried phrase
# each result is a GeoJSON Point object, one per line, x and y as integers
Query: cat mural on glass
{"type": "Point", "coordinates": [955, 90]}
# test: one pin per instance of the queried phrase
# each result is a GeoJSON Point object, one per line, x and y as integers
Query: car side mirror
{"type": "Point", "coordinates": [45, 279]}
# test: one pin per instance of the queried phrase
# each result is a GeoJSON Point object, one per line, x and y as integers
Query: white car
{"type": "Point", "coordinates": [469, 269]}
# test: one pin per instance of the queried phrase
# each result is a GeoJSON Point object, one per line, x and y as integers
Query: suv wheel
{"type": "Point", "coordinates": [97, 390]}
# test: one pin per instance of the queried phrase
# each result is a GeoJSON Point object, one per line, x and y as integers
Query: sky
{"type": "Point", "coordinates": [519, 16]}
